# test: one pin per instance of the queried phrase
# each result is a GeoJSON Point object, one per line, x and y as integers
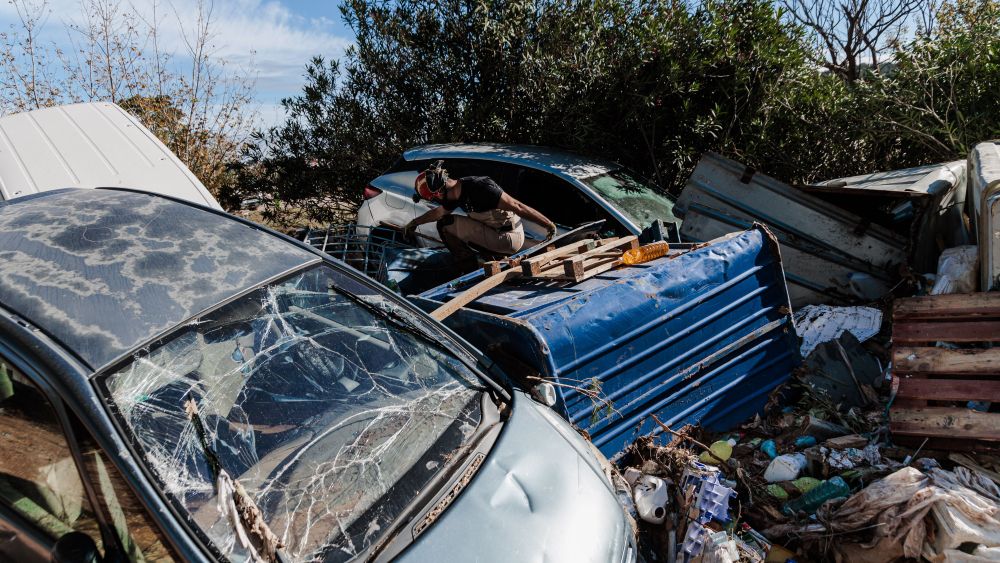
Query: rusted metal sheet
{"type": "Point", "coordinates": [984, 209]}
{"type": "Point", "coordinates": [700, 336]}
{"type": "Point", "coordinates": [830, 255]}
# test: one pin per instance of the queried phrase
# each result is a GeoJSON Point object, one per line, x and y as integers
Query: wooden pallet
{"type": "Point", "coordinates": [934, 385]}
{"type": "Point", "coordinates": [574, 262]}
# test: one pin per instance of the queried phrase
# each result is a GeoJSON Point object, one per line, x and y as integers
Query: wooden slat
{"type": "Point", "coordinates": [474, 293]}
{"type": "Point", "coordinates": [942, 361]}
{"type": "Point", "coordinates": [969, 331]}
{"type": "Point", "coordinates": [965, 305]}
{"type": "Point", "coordinates": [943, 422]}
{"type": "Point", "coordinates": [536, 264]}
{"type": "Point", "coordinates": [589, 264]}
{"type": "Point", "coordinates": [949, 390]}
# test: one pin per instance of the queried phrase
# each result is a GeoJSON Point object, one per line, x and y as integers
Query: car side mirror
{"type": "Point", "coordinates": [76, 547]}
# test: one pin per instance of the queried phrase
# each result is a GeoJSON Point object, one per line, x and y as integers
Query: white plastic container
{"type": "Point", "coordinates": [651, 498]}
{"type": "Point", "coordinates": [785, 468]}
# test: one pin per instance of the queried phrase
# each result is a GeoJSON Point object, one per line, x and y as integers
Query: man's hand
{"type": "Point", "coordinates": [550, 231]}
{"type": "Point", "coordinates": [409, 229]}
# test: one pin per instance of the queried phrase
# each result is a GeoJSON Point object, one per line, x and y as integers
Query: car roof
{"type": "Point", "coordinates": [567, 163]}
{"type": "Point", "coordinates": [104, 271]}
{"type": "Point", "coordinates": [89, 145]}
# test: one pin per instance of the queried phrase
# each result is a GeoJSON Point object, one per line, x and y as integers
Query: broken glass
{"type": "Point", "coordinates": [332, 414]}
{"type": "Point", "coordinates": [636, 199]}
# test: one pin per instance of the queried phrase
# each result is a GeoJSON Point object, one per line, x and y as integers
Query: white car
{"type": "Point", "coordinates": [568, 189]}
{"type": "Point", "coordinates": [90, 145]}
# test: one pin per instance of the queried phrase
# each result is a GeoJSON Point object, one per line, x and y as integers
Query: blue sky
{"type": "Point", "coordinates": [275, 38]}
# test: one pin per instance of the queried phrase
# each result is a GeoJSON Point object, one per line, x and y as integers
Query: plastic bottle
{"type": "Point", "coordinates": [770, 448]}
{"type": "Point", "coordinates": [805, 441]}
{"type": "Point", "coordinates": [835, 487]}
{"type": "Point", "coordinates": [645, 253]}
{"type": "Point", "coordinates": [722, 449]}
{"type": "Point", "coordinates": [785, 468]}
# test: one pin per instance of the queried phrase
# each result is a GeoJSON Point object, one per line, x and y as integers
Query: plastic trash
{"type": "Point", "coordinates": [806, 484]}
{"type": "Point", "coordinates": [651, 498]}
{"type": "Point", "coordinates": [694, 540]}
{"type": "Point", "coordinates": [863, 285]}
{"type": "Point", "coordinates": [785, 468]}
{"type": "Point", "coordinates": [811, 501]}
{"type": "Point", "coordinates": [957, 271]}
{"type": "Point", "coordinates": [770, 448]}
{"type": "Point", "coordinates": [713, 501]}
{"type": "Point", "coordinates": [645, 253]}
{"type": "Point", "coordinates": [777, 491]}
{"type": "Point", "coordinates": [805, 441]}
{"type": "Point", "coordinates": [722, 449]}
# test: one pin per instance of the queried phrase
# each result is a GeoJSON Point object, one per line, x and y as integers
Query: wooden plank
{"type": "Point", "coordinates": [948, 331]}
{"type": "Point", "coordinates": [473, 293]}
{"type": "Point", "coordinates": [949, 390]}
{"type": "Point", "coordinates": [491, 268]}
{"type": "Point", "coordinates": [536, 264]}
{"type": "Point", "coordinates": [942, 361]}
{"type": "Point", "coordinates": [944, 422]}
{"type": "Point", "coordinates": [971, 305]}
{"type": "Point", "coordinates": [577, 268]}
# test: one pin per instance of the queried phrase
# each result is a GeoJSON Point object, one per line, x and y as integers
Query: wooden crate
{"type": "Point", "coordinates": [934, 385]}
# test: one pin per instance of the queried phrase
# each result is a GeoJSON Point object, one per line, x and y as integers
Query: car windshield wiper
{"type": "Point", "coordinates": [235, 504]}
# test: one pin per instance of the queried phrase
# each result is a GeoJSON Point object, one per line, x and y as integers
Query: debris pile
{"type": "Point", "coordinates": [819, 475]}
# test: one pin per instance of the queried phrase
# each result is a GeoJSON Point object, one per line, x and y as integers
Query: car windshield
{"type": "Point", "coordinates": [636, 199]}
{"type": "Point", "coordinates": [330, 415]}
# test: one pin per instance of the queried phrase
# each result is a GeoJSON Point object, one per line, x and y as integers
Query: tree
{"type": "Point", "coordinates": [651, 84]}
{"type": "Point", "coordinates": [855, 34]}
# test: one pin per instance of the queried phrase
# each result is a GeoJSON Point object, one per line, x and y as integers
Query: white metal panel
{"type": "Point", "coordinates": [88, 146]}
{"type": "Point", "coordinates": [829, 254]}
{"type": "Point", "coordinates": [984, 185]}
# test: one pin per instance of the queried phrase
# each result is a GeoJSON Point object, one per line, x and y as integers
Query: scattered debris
{"type": "Point", "coordinates": [816, 324]}
{"type": "Point", "coordinates": [957, 271]}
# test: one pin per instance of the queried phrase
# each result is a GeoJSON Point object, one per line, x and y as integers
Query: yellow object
{"type": "Point", "coordinates": [645, 253]}
{"type": "Point", "coordinates": [722, 450]}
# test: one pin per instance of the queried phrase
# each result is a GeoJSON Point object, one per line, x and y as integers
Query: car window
{"type": "Point", "coordinates": [38, 476]}
{"type": "Point", "coordinates": [635, 198]}
{"type": "Point", "coordinates": [560, 201]}
{"type": "Point", "coordinates": [328, 414]}
{"type": "Point", "coordinates": [139, 536]}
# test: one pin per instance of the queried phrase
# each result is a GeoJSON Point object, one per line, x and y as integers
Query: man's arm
{"type": "Point", "coordinates": [429, 217]}
{"type": "Point", "coordinates": [507, 203]}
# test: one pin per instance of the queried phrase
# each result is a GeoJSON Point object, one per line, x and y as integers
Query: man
{"type": "Point", "coordinates": [492, 221]}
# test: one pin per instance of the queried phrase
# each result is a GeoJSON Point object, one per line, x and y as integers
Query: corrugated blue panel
{"type": "Point", "coordinates": [702, 337]}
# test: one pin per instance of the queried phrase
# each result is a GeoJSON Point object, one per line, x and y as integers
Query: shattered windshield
{"type": "Point", "coordinates": [636, 199]}
{"type": "Point", "coordinates": [330, 416]}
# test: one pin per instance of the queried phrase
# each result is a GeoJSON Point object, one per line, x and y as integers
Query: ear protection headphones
{"type": "Point", "coordinates": [430, 183]}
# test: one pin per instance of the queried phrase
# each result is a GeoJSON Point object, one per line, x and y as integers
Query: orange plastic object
{"type": "Point", "coordinates": [645, 253]}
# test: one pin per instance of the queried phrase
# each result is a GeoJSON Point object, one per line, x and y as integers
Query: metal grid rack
{"type": "Point", "coordinates": [361, 247]}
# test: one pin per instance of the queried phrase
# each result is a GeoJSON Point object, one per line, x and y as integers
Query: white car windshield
{"type": "Point", "coordinates": [331, 416]}
{"type": "Point", "coordinates": [634, 198]}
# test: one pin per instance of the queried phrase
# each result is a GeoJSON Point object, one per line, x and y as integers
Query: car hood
{"type": "Point", "coordinates": [539, 496]}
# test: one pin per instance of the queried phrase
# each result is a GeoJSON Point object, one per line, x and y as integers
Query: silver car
{"type": "Point", "coordinates": [180, 384]}
{"type": "Point", "coordinates": [568, 189]}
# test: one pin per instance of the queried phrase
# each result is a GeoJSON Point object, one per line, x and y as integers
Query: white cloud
{"type": "Point", "coordinates": [266, 36]}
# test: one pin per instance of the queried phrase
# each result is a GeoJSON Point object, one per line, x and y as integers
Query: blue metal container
{"type": "Point", "coordinates": [698, 337]}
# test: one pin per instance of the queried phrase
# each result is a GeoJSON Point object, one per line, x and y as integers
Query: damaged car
{"type": "Point", "coordinates": [179, 384]}
{"type": "Point", "coordinates": [567, 188]}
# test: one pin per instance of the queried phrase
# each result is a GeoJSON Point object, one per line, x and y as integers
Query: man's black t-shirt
{"type": "Point", "coordinates": [479, 193]}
